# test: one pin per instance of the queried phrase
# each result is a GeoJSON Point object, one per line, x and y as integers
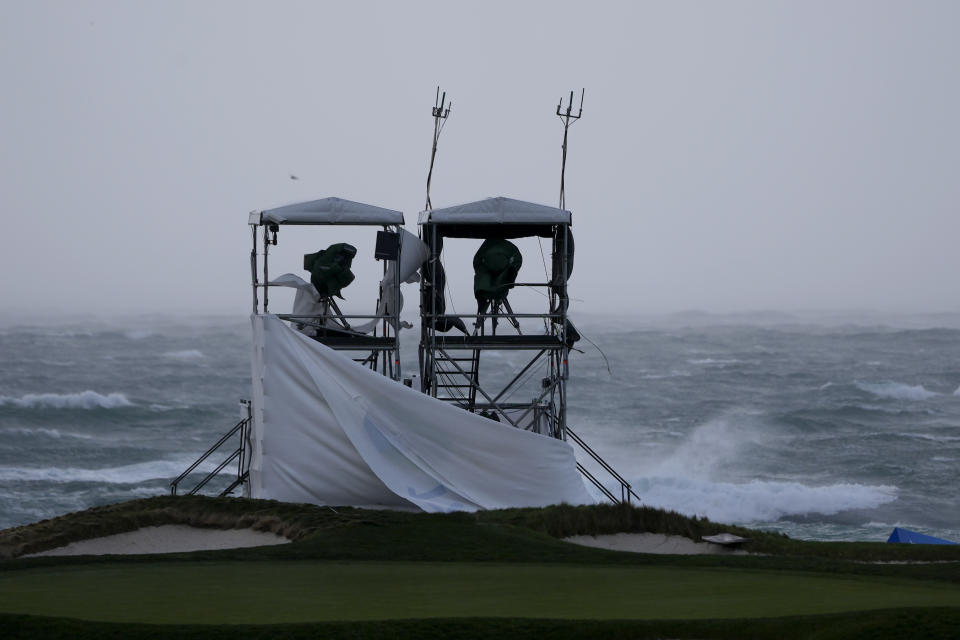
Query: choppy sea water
{"type": "Point", "coordinates": [822, 431]}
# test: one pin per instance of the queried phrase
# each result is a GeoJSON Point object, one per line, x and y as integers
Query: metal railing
{"type": "Point", "coordinates": [240, 454]}
{"type": "Point", "coordinates": [626, 491]}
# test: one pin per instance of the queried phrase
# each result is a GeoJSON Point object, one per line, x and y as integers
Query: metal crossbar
{"type": "Point", "coordinates": [626, 491]}
{"type": "Point", "coordinates": [239, 454]}
{"type": "Point", "coordinates": [599, 485]}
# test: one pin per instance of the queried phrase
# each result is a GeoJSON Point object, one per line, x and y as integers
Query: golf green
{"type": "Point", "coordinates": [300, 591]}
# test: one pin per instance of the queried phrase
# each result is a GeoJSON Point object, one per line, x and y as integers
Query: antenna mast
{"type": "Point", "coordinates": [568, 119]}
{"type": "Point", "coordinates": [440, 112]}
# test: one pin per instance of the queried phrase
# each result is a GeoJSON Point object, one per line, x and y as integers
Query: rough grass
{"type": "Point", "coordinates": [302, 522]}
{"type": "Point", "coordinates": [527, 536]}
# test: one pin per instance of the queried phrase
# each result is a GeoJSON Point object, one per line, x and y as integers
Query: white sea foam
{"type": "Point", "coordinates": [758, 500]}
{"type": "Point", "coordinates": [127, 474]}
{"type": "Point", "coordinates": [931, 438]}
{"type": "Point", "coordinates": [720, 361]}
{"type": "Point", "coordinates": [660, 376]}
{"type": "Point", "coordinates": [168, 407]}
{"type": "Point", "coordinates": [897, 390]}
{"type": "Point", "coordinates": [710, 445]}
{"type": "Point", "coordinates": [687, 479]}
{"type": "Point", "coordinates": [186, 354]}
{"type": "Point", "coordinates": [957, 392]}
{"type": "Point", "coordinates": [83, 400]}
{"type": "Point", "coordinates": [890, 525]}
{"type": "Point", "coordinates": [137, 334]}
{"type": "Point", "coordinates": [50, 433]}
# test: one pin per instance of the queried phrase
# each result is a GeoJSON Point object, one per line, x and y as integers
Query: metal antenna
{"type": "Point", "coordinates": [568, 119]}
{"type": "Point", "coordinates": [441, 109]}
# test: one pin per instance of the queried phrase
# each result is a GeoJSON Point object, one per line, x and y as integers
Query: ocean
{"type": "Point", "coordinates": [825, 429]}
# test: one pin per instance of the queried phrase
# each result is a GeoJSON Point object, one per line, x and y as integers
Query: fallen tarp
{"type": "Point", "coordinates": [328, 431]}
{"type": "Point", "coordinates": [912, 537]}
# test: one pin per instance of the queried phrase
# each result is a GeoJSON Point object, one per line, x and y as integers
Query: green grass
{"type": "Point", "coordinates": [234, 592]}
{"type": "Point", "coordinates": [301, 522]}
{"type": "Point", "coordinates": [890, 624]}
{"type": "Point", "coordinates": [491, 574]}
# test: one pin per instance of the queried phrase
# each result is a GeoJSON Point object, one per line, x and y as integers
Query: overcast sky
{"type": "Point", "coordinates": [731, 156]}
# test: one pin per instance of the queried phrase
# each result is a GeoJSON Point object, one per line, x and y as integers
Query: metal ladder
{"type": "Point", "coordinates": [459, 382]}
{"type": "Point", "coordinates": [626, 491]}
{"type": "Point", "coordinates": [240, 454]}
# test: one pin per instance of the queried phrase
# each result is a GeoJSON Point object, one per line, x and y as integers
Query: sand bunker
{"type": "Point", "coordinates": [168, 538]}
{"type": "Point", "coordinates": [653, 543]}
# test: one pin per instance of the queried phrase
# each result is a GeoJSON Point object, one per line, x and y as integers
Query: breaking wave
{"type": "Point", "coordinates": [758, 500]}
{"type": "Point", "coordinates": [897, 390]}
{"type": "Point", "coordinates": [127, 474]}
{"type": "Point", "coordinates": [688, 479]}
{"type": "Point", "coordinates": [931, 438]}
{"type": "Point", "coordinates": [45, 432]}
{"type": "Point", "coordinates": [83, 400]}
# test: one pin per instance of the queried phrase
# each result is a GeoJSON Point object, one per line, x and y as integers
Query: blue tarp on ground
{"type": "Point", "coordinates": [912, 537]}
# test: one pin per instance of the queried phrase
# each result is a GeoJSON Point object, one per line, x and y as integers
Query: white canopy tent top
{"type": "Point", "coordinates": [327, 211]}
{"type": "Point", "coordinates": [498, 210]}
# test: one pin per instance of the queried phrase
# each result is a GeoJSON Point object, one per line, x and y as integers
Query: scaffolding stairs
{"type": "Point", "coordinates": [240, 454]}
{"type": "Point", "coordinates": [457, 377]}
{"type": "Point", "coordinates": [627, 494]}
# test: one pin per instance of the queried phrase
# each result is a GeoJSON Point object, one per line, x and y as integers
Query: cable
{"type": "Point", "coordinates": [583, 335]}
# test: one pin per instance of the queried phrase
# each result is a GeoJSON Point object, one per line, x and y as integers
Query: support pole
{"type": "Point", "coordinates": [568, 119]}
{"type": "Point", "coordinates": [253, 269]}
{"type": "Point", "coordinates": [441, 110]}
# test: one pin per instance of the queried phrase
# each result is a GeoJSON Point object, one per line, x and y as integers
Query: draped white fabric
{"type": "Point", "coordinates": [328, 431]}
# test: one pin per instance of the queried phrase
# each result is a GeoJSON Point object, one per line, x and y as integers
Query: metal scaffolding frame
{"type": "Point", "coordinates": [381, 350]}
{"type": "Point", "coordinates": [450, 365]}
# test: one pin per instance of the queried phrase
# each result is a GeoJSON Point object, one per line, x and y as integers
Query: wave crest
{"type": "Point", "coordinates": [83, 400]}
{"type": "Point", "coordinates": [897, 390]}
{"type": "Point", "coordinates": [757, 500]}
{"type": "Point", "coordinates": [691, 480]}
{"type": "Point", "coordinates": [127, 474]}
{"type": "Point", "coordinates": [49, 433]}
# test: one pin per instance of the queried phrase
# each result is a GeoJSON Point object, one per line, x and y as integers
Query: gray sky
{"type": "Point", "coordinates": [732, 156]}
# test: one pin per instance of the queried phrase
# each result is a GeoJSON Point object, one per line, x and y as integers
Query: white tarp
{"type": "Point", "coordinates": [329, 431]}
{"type": "Point", "coordinates": [307, 301]}
{"type": "Point", "coordinates": [413, 252]}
